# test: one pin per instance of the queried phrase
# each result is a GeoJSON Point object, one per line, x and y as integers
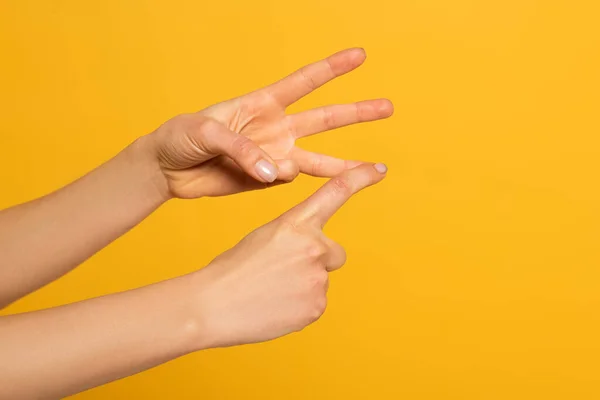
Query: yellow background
{"type": "Point", "coordinates": [473, 269]}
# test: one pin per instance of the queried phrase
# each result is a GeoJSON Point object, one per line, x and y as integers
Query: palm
{"type": "Point", "coordinates": [261, 117]}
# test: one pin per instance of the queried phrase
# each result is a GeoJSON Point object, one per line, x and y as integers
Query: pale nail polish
{"type": "Point", "coordinates": [381, 168]}
{"type": "Point", "coordinates": [266, 170]}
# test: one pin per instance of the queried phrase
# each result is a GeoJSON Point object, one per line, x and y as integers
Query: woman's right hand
{"type": "Point", "coordinates": [275, 280]}
{"type": "Point", "coordinates": [250, 142]}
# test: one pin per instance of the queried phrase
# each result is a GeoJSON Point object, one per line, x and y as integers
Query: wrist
{"type": "Point", "coordinates": [141, 155]}
{"type": "Point", "coordinates": [202, 321]}
{"type": "Point", "coordinates": [184, 320]}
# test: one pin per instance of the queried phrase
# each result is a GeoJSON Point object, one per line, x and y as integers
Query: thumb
{"type": "Point", "coordinates": [216, 139]}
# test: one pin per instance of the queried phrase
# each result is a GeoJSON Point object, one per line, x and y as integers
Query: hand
{"type": "Point", "coordinates": [275, 280]}
{"type": "Point", "coordinates": [249, 142]}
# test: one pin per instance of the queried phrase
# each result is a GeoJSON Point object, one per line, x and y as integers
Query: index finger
{"type": "Point", "coordinates": [326, 201]}
{"type": "Point", "coordinates": [300, 83]}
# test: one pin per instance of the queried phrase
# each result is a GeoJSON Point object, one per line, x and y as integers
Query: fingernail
{"type": "Point", "coordinates": [381, 168]}
{"type": "Point", "coordinates": [266, 170]}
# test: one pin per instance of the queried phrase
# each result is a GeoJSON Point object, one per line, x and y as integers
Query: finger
{"type": "Point", "coordinates": [336, 116]}
{"type": "Point", "coordinates": [336, 257]}
{"type": "Point", "coordinates": [228, 178]}
{"type": "Point", "coordinates": [215, 138]}
{"type": "Point", "coordinates": [300, 83]}
{"type": "Point", "coordinates": [320, 165]}
{"type": "Point", "coordinates": [288, 170]}
{"type": "Point", "coordinates": [321, 206]}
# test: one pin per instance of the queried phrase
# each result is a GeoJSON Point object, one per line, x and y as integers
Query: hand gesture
{"type": "Point", "coordinates": [275, 280]}
{"type": "Point", "coordinates": [250, 142]}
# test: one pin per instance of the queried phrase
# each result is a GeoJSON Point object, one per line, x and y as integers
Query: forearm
{"type": "Point", "coordinates": [64, 350]}
{"type": "Point", "coordinates": [45, 238]}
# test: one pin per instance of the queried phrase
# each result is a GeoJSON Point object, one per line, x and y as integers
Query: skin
{"type": "Point", "coordinates": [272, 283]}
{"type": "Point", "coordinates": [210, 153]}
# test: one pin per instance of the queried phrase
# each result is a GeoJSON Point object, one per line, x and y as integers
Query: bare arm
{"type": "Point", "coordinates": [272, 283]}
{"type": "Point", "coordinates": [64, 350]}
{"type": "Point", "coordinates": [43, 239]}
{"type": "Point", "coordinates": [241, 144]}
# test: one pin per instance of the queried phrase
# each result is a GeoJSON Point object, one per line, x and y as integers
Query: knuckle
{"type": "Point", "coordinates": [205, 125]}
{"type": "Point", "coordinates": [195, 124]}
{"type": "Point", "coordinates": [286, 226]}
{"type": "Point", "coordinates": [299, 325]}
{"type": "Point", "coordinates": [341, 185]}
{"type": "Point", "coordinates": [319, 279]}
{"type": "Point", "coordinates": [242, 146]}
{"type": "Point", "coordinates": [329, 118]}
{"type": "Point", "coordinates": [342, 257]}
{"type": "Point", "coordinates": [182, 118]}
{"type": "Point", "coordinates": [308, 79]}
{"type": "Point", "coordinates": [289, 230]}
{"type": "Point", "coordinates": [315, 166]}
{"type": "Point", "coordinates": [315, 248]}
{"type": "Point", "coordinates": [176, 123]}
{"type": "Point", "coordinates": [360, 113]}
{"type": "Point", "coordinates": [318, 308]}
{"type": "Point", "coordinates": [190, 121]}
{"type": "Point", "coordinates": [343, 253]}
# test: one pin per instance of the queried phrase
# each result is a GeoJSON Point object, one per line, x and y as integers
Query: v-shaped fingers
{"type": "Point", "coordinates": [326, 118]}
{"type": "Point", "coordinates": [300, 83]}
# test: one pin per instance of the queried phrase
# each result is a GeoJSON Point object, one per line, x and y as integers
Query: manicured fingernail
{"type": "Point", "coordinates": [381, 168]}
{"type": "Point", "coordinates": [266, 170]}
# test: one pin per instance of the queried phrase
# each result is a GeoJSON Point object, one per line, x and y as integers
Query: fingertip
{"type": "Point", "coordinates": [288, 170]}
{"type": "Point", "coordinates": [347, 60]}
{"type": "Point", "coordinates": [381, 168]}
{"type": "Point", "coordinates": [266, 170]}
{"type": "Point", "coordinates": [386, 108]}
{"type": "Point", "coordinates": [359, 55]}
{"type": "Point", "coordinates": [360, 50]}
